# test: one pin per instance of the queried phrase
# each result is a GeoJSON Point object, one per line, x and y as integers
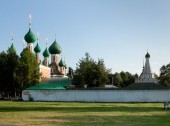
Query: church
{"type": "Point", "coordinates": [146, 80]}
{"type": "Point", "coordinates": [146, 75]}
{"type": "Point", "coordinates": [57, 67]}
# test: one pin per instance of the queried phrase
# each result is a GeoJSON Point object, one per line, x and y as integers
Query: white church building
{"type": "Point", "coordinates": [146, 75]}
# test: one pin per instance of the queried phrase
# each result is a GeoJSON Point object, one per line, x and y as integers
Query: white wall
{"type": "Point", "coordinates": [98, 95]}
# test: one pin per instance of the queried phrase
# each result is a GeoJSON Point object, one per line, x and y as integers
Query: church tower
{"type": "Point", "coordinates": [30, 37]}
{"type": "Point", "coordinates": [37, 51]}
{"type": "Point", "coordinates": [146, 75]}
{"type": "Point", "coordinates": [54, 50]}
{"type": "Point", "coordinates": [46, 55]}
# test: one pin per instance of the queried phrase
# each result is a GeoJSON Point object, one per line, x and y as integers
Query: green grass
{"type": "Point", "coordinates": [83, 114]}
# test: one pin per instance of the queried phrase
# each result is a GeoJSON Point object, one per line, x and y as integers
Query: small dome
{"type": "Point", "coordinates": [30, 37]}
{"type": "Point", "coordinates": [55, 48]}
{"type": "Point", "coordinates": [61, 63]}
{"type": "Point", "coordinates": [12, 48]}
{"type": "Point", "coordinates": [147, 55]}
{"type": "Point", "coordinates": [46, 53]}
{"type": "Point", "coordinates": [37, 48]}
{"type": "Point", "coordinates": [26, 51]}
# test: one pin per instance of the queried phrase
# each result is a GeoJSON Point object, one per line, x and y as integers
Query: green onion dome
{"type": "Point", "coordinates": [55, 48]}
{"type": "Point", "coordinates": [147, 55]}
{"type": "Point", "coordinates": [61, 63]}
{"type": "Point", "coordinates": [26, 52]}
{"type": "Point", "coordinates": [12, 48]}
{"type": "Point", "coordinates": [37, 48]}
{"type": "Point", "coordinates": [30, 37]}
{"type": "Point", "coordinates": [46, 53]}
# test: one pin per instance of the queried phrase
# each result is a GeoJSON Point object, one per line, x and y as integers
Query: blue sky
{"type": "Point", "coordinates": [118, 31]}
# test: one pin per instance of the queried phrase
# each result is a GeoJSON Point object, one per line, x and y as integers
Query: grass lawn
{"type": "Point", "coordinates": [83, 114]}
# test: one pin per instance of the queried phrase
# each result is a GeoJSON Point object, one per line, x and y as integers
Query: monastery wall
{"type": "Point", "coordinates": [97, 95]}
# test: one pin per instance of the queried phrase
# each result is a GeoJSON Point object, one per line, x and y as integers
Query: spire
{"type": "Point", "coordinates": [46, 52]}
{"type": "Point", "coordinates": [38, 36]}
{"type": "Point", "coordinates": [30, 20]}
{"type": "Point", "coordinates": [146, 75]}
{"type": "Point", "coordinates": [46, 42]}
{"type": "Point", "coordinates": [30, 37]}
{"type": "Point", "coordinates": [37, 48]}
{"type": "Point", "coordinates": [12, 48]}
{"type": "Point", "coordinates": [12, 37]}
{"type": "Point", "coordinates": [147, 54]}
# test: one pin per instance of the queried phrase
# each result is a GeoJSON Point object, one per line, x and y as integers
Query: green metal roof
{"type": "Point", "coordinates": [46, 53]}
{"type": "Point", "coordinates": [30, 37]}
{"type": "Point", "coordinates": [61, 63]}
{"type": "Point", "coordinates": [37, 48]}
{"type": "Point", "coordinates": [12, 48]}
{"type": "Point", "coordinates": [55, 48]}
{"type": "Point", "coordinates": [52, 84]}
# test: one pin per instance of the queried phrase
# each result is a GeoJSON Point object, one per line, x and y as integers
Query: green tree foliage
{"type": "Point", "coordinates": [164, 78]}
{"type": "Point", "coordinates": [8, 65]}
{"type": "Point", "coordinates": [117, 80]}
{"type": "Point", "coordinates": [90, 73]}
{"type": "Point", "coordinates": [3, 73]}
{"type": "Point", "coordinates": [11, 68]}
{"type": "Point", "coordinates": [17, 73]}
{"type": "Point", "coordinates": [123, 79]}
{"type": "Point", "coordinates": [28, 69]}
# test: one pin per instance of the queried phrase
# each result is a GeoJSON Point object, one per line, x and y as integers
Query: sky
{"type": "Point", "coordinates": [118, 31]}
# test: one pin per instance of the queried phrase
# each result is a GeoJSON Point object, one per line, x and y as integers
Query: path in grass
{"type": "Point", "coordinates": [83, 114]}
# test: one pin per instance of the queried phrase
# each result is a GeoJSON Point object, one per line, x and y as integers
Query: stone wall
{"type": "Point", "coordinates": [97, 95]}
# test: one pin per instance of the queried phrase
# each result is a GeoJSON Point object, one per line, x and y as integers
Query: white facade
{"type": "Point", "coordinates": [97, 95]}
{"type": "Point", "coordinates": [45, 71]}
{"type": "Point", "coordinates": [30, 46]}
{"type": "Point", "coordinates": [146, 75]}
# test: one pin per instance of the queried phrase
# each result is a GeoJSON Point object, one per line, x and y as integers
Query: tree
{"type": "Point", "coordinates": [164, 78]}
{"type": "Point", "coordinates": [11, 68]}
{"type": "Point", "coordinates": [8, 64]}
{"type": "Point", "coordinates": [17, 73]}
{"type": "Point", "coordinates": [117, 80]}
{"type": "Point", "coordinates": [3, 73]}
{"type": "Point", "coordinates": [90, 73]}
{"type": "Point", "coordinates": [70, 73]}
{"type": "Point", "coordinates": [123, 79]}
{"type": "Point", "coordinates": [28, 69]}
